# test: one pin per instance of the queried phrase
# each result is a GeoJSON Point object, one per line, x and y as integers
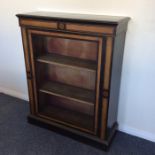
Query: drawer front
{"type": "Point", "coordinates": [76, 27]}
{"type": "Point", "coordinates": [90, 28]}
{"type": "Point", "coordinates": [38, 23]}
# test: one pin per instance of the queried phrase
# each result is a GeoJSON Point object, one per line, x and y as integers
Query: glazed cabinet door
{"type": "Point", "coordinates": [66, 71]}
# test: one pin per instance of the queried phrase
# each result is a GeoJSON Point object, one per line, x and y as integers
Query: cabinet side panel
{"type": "Point", "coordinates": [117, 60]}
{"type": "Point", "coordinates": [28, 69]}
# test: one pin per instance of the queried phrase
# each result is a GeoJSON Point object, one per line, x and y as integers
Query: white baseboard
{"type": "Point", "coordinates": [138, 133]}
{"type": "Point", "coordinates": [123, 128]}
{"type": "Point", "coordinates": [14, 93]}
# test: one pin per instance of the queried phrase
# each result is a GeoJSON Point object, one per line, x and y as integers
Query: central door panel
{"type": "Point", "coordinates": [66, 68]}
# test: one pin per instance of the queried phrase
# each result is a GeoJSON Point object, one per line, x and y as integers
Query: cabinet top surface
{"type": "Point", "coordinates": [102, 19]}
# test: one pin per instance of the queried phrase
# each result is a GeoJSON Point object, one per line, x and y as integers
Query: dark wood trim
{"type": "Point", "coordinates": [104, 118]}
{"type": "Point", "coordinates": [84, 33]}
{"type": "Point", "coordinates": [108, 59]}
{"type": "Point", "coordinates": [109, 30]}
{"type": "Point", "coordinates": [101, 82]}
{"type": "Point", "coordinates": [72, 133]}
{"type": "Point", "coordinates": [98, 76]}
{"type": "Point", "coordinates": [66, 124]}
{"type": "Point", "coordinates": [33, 72]}
{"type": "Point", "coordinates": [25, 47]}
{"type": "Point", "coordinates": [64, 35]}
{"type": "Point", "coordinates": [73, 17]}
{"type": "Point", "coordinates": [112, 133]}
{"type": "Point", "coordinates": [28, 69]}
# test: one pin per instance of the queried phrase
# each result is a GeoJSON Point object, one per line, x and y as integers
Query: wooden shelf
{"type": "Point", "coordinates": [68, 117]}
{"type": "Point", "coordinates": [67, 61]}
{"type": "Point", "coordinates": [68, 92]}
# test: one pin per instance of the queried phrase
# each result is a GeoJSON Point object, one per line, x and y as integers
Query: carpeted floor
{"type": "Point", "coordinates": [17, 137]}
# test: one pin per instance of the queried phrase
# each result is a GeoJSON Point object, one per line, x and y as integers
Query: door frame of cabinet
{"type": "Point", "coordinates": [30, 67]}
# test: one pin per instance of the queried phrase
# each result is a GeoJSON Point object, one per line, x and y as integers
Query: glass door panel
{"type": "Point", "coordinates": [65, 70]}
{"type": "Point", "coordinates": [67, 75]}
{"type": "Point", "coordinates": [67, 111]}
{"type": "Point", "coordinates": [70, 47]}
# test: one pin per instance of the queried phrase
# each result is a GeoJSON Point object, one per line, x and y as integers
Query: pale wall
{"type": "Point", "coordinates": [137, 98]}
